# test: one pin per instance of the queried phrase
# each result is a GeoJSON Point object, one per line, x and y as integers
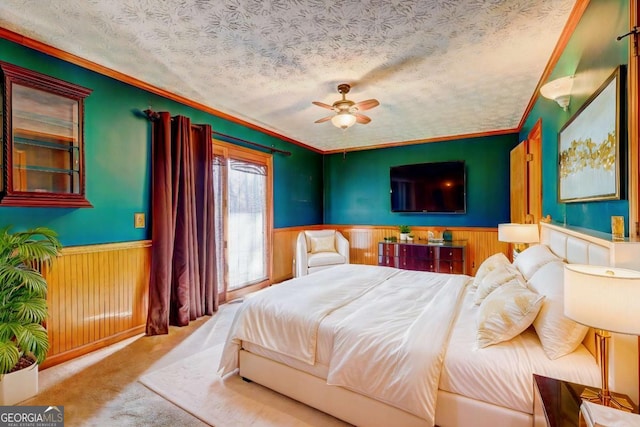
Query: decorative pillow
{"type": "Point", "coordinates": [489, 264]}
{"type": "Point", "coordinates": [558, 334]}
{"type": "Point", "coordinates": [323, 244]}
{"type": "Point", "coordinates": [503, 273]}
{"type": "Point", "coordinates": [532, 258]}
{"type": "Point", "coordinates": [506, 312]}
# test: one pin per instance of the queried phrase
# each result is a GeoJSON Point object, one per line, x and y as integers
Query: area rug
{"type": "Point", "coordinates": [193, 385]}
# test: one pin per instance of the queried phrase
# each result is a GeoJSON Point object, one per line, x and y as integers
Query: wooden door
{"type": "Point", "coordinates": [534, 175]}
{"type": "Point", "coordinates": [526, 178]}
{"type": "Point", "coordinates": [518, 167]}
{"type": "Point", "coordinates": [634, 127]}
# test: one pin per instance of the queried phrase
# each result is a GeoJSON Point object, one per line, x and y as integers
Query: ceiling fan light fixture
{"type": "Point", "coordinates": [343, 120]}
{"type": "Point", "coordinates": [346, 112]}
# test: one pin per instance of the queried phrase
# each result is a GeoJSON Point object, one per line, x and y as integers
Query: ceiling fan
{"type": "Point", "coordinates": [347, 112]}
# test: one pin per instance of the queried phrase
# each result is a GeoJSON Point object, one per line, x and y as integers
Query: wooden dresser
{"type": "Point", "coordinates": [447, 257]}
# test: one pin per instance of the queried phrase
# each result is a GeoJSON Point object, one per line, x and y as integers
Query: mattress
{"type": "Point", "coordinates": [326, 331]}
{"type": "Point", "coordinates": [323, 350]}
{"type": "Point", "coordinates": [388, 346]}
{"type": "Point", "coordinates": [499, 374]}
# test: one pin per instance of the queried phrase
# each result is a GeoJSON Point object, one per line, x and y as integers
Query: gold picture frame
{"type": "Point", "coordinates": [589, 146]}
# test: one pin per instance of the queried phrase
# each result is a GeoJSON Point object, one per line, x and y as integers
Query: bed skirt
{"type": "Point", "coordinates": [452, 410]}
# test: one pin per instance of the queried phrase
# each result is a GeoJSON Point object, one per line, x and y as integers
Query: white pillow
{"type": "Point", "coordinates": [503, 273]}
{"type": "Point", "coordinates": [322, 244]}
{"type": "Point", "coordinates": [489, 264]}
{"type": "Point", "coordinates": [506, 312]}
{"type": "Point", "coordinates": [532, 258]}
{"type": "Point", "coordinates": [558, 334]}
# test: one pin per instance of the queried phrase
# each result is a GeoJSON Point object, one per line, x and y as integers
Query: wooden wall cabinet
{"type": "Point", "coordinates": [446, 257]}
{"type": "Point", "coordinates": [42, 140]}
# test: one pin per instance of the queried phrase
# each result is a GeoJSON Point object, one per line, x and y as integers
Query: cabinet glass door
{"type": "Point", "coordinates": [43, 151]}
{"type": "Point", "coordinates": [45, 142]}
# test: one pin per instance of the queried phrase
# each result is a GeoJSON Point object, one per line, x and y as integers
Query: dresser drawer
{"type": "Point", "coordinates": [451, 253]}
{"type": "Point", "coordinates": [416, 251]}
{"type": "Point", "coordinates": [387, 249]}
{"type": "Point", "coordinates": [406, 262]}
{"type": "Point", "coordinates": [425, 265]}
{"type": "Point", "coordinates": [388, 261]}
{"type": "Point", "coordinates": [452, 267]}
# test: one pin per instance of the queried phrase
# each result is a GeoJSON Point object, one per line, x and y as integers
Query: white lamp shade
{"type": "Point", "coordinates": [559, 90]}
{"type": "Point", "coordinates": [343, 120]}
{"type": "Point", "coordinates": [518, 233]}
{"type": "Point", "coordinates": [603, 297]}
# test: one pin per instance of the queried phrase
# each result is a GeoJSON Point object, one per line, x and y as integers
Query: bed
{"type": "Point", "coordinates": [377, 346]}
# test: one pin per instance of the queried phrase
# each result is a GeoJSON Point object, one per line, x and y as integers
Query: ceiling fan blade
{"type": "Point", "coordinates": [367, 105]}
{"type": "Point", "coordinates": [323, 105]}
{"type": "Point", "coordinates": [324, 119]}
{"type": "Point", "coordinates": [362, 119]}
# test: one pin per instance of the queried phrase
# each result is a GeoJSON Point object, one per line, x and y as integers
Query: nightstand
{"type": "Point", "coordinates": [557, 403]}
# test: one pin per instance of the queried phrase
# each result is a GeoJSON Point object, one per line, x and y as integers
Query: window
{"type": "Point", "coordinates": [246, 211]}
{"type": "Point", "coordinates": [243, 199]}
{"type": "Point", "coordinates": [43, 152]}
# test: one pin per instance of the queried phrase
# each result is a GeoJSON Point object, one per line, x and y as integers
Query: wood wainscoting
{"type": "Point", "coordinates": [284, 249]}
{"type": "Point", "coordinates": [97, 295]}
{"type": "Point", "coordinates": [482, 242]}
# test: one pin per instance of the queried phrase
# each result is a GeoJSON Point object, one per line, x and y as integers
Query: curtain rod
{"type": "Point", "coordinates": [152, 115]}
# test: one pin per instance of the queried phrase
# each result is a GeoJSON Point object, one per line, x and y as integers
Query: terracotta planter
{"type": "Point", "coordinates": [18, 386]}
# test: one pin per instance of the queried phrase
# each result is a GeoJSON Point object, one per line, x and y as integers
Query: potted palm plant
{"type": "Point", "coordinates": [24, 342]}
{"type": "Point", "coordinates": [404, 231]}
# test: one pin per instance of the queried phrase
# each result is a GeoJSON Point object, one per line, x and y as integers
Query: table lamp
{"type": "Point", "coordinates": [518, 234]}
{"type": "Point", "coordinates": [608, 300]}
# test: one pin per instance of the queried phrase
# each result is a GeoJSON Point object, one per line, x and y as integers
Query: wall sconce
{"type": "Point", "coordinates": [559, 90]}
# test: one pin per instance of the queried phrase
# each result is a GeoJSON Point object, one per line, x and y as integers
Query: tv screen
{"type": "Point", "coordinates": [428, 187]}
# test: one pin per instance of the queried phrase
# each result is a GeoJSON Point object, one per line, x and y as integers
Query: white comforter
{"type": "Point", "coordinates": [393, 349]}
{"type": "Point", "coordinates": [389, 347]}
{"type": "Point", "coordinates": [285, 318]}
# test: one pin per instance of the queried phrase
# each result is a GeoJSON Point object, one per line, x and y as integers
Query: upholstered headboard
{"type": "Point", "coordinates": [582, 246]}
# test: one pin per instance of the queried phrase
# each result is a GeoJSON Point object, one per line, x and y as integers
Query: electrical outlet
{"type": "Point", "coordinates": [138, 220]}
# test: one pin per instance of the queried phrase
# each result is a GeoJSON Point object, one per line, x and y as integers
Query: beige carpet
{"type": "Point", "coordinates": [103, 388]}
{"type": "Point", "coordinates": [193, 385]}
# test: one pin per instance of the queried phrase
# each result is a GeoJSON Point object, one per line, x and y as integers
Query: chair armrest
{"type": "Point", "coordinates": [302, 263]}
{"type": "Point", "coordinates": [342, 244]}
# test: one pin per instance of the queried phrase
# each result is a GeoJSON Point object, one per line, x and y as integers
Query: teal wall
{"type": "Point", "coordinates": [357, 185]}
{"type": "Point", "coordinates": [592, 54]}
{"type": "Point", "coordinates": [118, 167]}
{"type": "Point", "coordinates": [310, 188]}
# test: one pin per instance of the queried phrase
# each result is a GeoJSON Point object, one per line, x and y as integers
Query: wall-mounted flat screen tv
{"type": "Point", "coordinates": [429, 187]}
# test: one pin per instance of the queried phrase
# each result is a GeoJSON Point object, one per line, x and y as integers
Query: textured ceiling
{"type": "Point", "coordinates": [438, 67]}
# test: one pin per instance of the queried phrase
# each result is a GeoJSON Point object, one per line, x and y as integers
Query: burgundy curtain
{"type": "Point", "coordinates": [182, 285]}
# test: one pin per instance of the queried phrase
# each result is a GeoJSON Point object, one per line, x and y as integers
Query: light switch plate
{"type": "Point", "coordinates": [138, 220]}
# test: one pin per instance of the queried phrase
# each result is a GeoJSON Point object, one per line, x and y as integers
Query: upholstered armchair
{"type": "Point", "coordinates": [319, 249]}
